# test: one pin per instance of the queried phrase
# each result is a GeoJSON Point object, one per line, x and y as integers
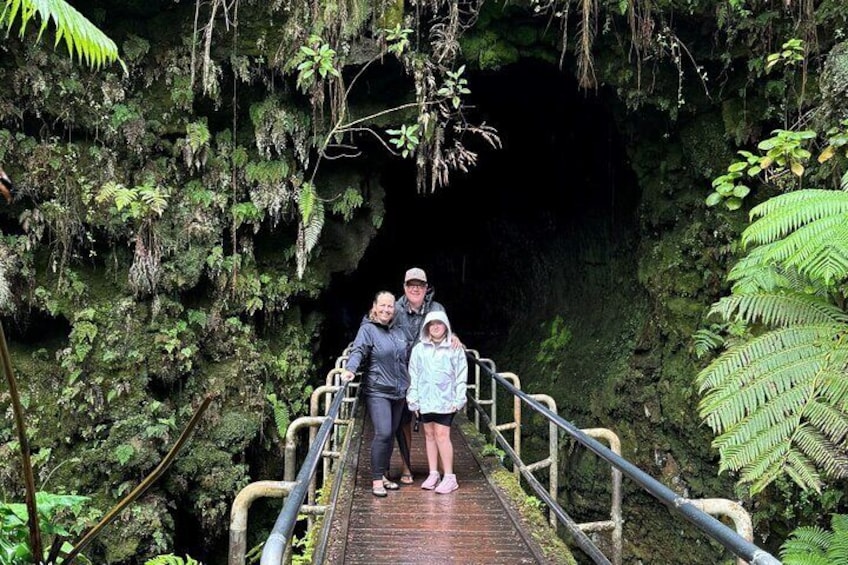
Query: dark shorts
{"type": "Point", "coordinates": [433, 418]}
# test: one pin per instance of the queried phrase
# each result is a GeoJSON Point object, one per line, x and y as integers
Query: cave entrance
{"type": "Point", "coordinates": [560, 182]}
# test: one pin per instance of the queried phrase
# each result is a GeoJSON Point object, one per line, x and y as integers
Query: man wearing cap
{"type": "Point", "coordinates": [410, 311]}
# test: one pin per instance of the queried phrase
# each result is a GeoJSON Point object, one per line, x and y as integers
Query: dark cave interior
{"type": "Point", "coordinates": [562, 170]}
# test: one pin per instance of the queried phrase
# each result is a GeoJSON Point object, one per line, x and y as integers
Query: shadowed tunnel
{"type": "Point", "coordinates": [561, 176]}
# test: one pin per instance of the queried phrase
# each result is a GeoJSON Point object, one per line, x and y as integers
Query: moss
{"type": "Point", "coordinates": [489, 50]}
{"type": "Point", "coordinates": [392, 14]}
{"type": "Point", "coordinates": [704, 141]}
{"type": "Point", "coordinates": [527, 507]}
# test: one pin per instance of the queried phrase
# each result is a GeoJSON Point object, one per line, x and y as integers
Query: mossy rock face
{"type": "Point", "coordinates": [834, 81]}
{"type": "Point", "coordinates": [705, 143]}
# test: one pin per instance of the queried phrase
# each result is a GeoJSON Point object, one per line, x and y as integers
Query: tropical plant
{"type": "Point", "coordinates": [777, 398]}
{"type": "Point", "coordinates": [82, 38]}
{"type": "Point", "coordinates": [783, 151]}
{"type": "Point", "coordinates": [811, 545]}
{"type": "Point", "coordinates": [58, 517]}
{"type": "Point", "coordinates": [171, 559]}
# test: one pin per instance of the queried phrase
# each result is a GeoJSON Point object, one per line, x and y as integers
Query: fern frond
{"type": "Point", "coordinates": [838, 550]}
{"type": "Point", "coordinates": [778, 309]}
{"type": "Point", "coordinates": [756, 452]}
{"type": "Point", "coordinates": [806, 545]}
{"type": "Point", "coordinates": [306, 202]}
{"type": "Point", "coordinates": [833, 423]}
{"type": "Point", "coordinates": [753, 273]}
{"type": "Point", "coordinates": [818, 250]}
{"type": "Point", "coordinates": [307, 236]}
{"type": "Point", "coordinates": [706, 340]}
{"type": "Point", "coordinates": [282, 418]}
{"type": "Point", "coordinates": [82, 38]}
{"type": "Point", "coordinates": [785, 339]}
{"type": "Point", "coordinates": [800, 469]}
{"type": "Point", "coordinates": [778, 404]}
{"type": "Point", "coordinates": [314, 226]}
{"type": "Point", "coordinates": [726, 407]}
{"type": "Point", "coordinates": [784, 214]}
{"type": "Point", "coordinates": [824, 452]}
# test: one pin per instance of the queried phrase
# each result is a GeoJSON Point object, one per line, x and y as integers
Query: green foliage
{"type": "Point", "coordinates": [58, 515]}
{"type": "Point", "coordinates": [455, 86]}
{"type": "Point", "coordinates": [554, 345]}
{"type": "Point", "coordinates": [245, 213]}
{"type": "Point", "coordinates": [405, 139]}
{"type": "Point", "coordinates": [397, 39]}
{"type": "Point", "coordinates": [82, 38]}
{"type": "Point", "coordinates": [805, 231]}
{"type": "Point", "coordinates": [315, 57]}
{"type": "Point", "coordinates": [811, 545]}
{"type": "Point", "coordinates": [282, 418]}
{"type": "Point", "coordinates": [303, 548]}
{"type": "Point", "coordinates": [783, 151]}
{"type": "Point", "coordinates": [171, 559]}
{"type": "Point", "coordinates": [533, 502]}
{"type": "Point", "coordinates": [139, 202]}
{"type": "Point", "coordinates": [492, 450]}
{"type": "Point", "coordinates": [351, 199]}
{"type": "Point", "coordinates": [311, 223]}
{"type": "Point", "coordinates": [777, 397]}
{"type": "Point", "coordinates": [706, 340]}
{"type": "Point", "coordinates": [837, 140]}
{"type": "Point", "coordinates": [791, 54]}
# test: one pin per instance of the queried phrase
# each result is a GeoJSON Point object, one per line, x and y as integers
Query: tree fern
{"type": "Point", "coordinates": [82, 38]}
{"type": "Point", "coordinates": [778, 309]}
{"type": "Point", "coordinates": [778, 400]}
{"type": "Point", "coordinates": [781, 215]}
{"type": "Point", "coordinates": [811, 545]}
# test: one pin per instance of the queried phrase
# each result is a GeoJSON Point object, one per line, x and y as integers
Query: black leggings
{"type": "Point", "coordinates": [385, 418]}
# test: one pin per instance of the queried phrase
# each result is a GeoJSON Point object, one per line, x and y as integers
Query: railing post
{"type": "Point", "coordinates": [291, 451]}
{"type": "Point", "coordinates": [476, 385]}
{"type": "Point", "coordinates": [515, 426]}
{"type": "Point", "coordinates": [238, 513]}
{"type": "Point", "coordinates": [493, 408]}
{"type": "Point", "coordinates": [734, 511]}
{"type": "Point", "coordinates": [314, 401]}
{"type": "Point", "coordinates": [616, 521]}
{"type": "Point", "coordinates": [553, 452]}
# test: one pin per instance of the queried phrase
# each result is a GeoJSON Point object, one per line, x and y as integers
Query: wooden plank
{"type": "Point", "coordinates": [413, 525]}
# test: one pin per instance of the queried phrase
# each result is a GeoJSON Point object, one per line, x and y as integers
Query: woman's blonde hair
{"type": "Point", "coordinates": [372, 313]}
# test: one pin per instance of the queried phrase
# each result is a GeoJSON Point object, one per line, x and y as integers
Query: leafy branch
{"type": "Point", "coordinates": [81, 37]}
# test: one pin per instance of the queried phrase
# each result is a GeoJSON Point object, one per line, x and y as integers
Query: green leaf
{"type": "Point", "coordinates": [733, 203]}
{"type": "Point", "coordinates": [741, 191]}
{"type": "Point", "coordinates": [714, 198]}
{"type": "Point", "coordinates": [82, 38]}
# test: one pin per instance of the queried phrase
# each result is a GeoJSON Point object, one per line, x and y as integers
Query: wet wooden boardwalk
{"type": "Point", "coordinates": [415, 526]}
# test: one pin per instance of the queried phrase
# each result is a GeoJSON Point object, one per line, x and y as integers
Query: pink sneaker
{"type": "Point", "coordinates": [448, 485]}
{"type": "Point", "coordinates": [431, 481]}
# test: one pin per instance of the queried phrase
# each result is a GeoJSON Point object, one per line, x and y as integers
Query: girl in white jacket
{"type": "Point", "coordinates": [438, 374]}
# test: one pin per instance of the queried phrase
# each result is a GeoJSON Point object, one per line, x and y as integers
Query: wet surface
{"type": "Point", "coordinates": [413, 525]}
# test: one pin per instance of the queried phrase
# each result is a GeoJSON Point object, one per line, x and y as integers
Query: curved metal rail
{"type": "Point", "coordinates": [688, 509]}
{"type": "Point", "coordinates": [326, 444]}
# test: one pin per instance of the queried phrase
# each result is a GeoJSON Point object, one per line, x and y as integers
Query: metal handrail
{"type": "Point", "coordinates": [281, 533]}
{"type": "Point", "coordinates": [710, 526]}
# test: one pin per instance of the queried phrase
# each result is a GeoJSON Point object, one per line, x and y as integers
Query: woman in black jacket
{"type": "Point", "coordinates": [382, 353]}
